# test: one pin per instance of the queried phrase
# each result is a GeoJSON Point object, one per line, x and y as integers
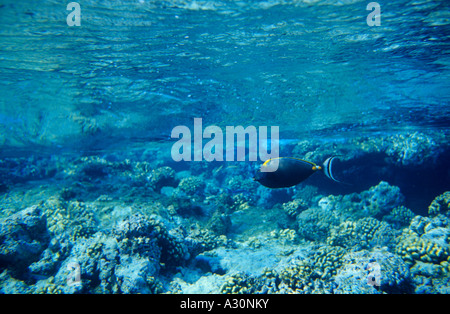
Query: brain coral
{"type": "Point", "coordinates": [364, 233]}
{"type": "Point", "coordinates": [400, 216]}
{"type": "Point", "coordinates": [327, 260]}
{"type": "Point", "coordinates": [239, 283]}
{"type": "Point", "coordinates": [425, 240]}
{"type": "Point", "coordinates": [315, 223]}
{"type": "Point", "coordinates": [440, 204]}
{"type": "Point", "coordinates": [413, 248]}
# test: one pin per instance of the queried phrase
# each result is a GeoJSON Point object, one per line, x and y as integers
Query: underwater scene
{"type": "Point", "coordinates": [225, 147]}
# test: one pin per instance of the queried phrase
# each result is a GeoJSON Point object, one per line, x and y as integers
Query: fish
{"type": "Point", "coordinates": [291, 171]}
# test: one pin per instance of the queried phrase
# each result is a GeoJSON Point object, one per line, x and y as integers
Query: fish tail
{"type": "Point", "coordinates": [327, 168]}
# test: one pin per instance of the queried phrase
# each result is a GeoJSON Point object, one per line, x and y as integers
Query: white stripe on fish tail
{"type": "Point", "coordinates": [327, 168]}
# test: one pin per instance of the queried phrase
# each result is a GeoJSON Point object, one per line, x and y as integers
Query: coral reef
{"type": "Point", "coordinates": [162, 176]}
{"type": "Point", "coordinates": [192, 186]}
{"type": "Point", "coordinates": [327, 260]}
{"type": "Point", "coordinates": [376, 202]}
{"type": "Point", "coordinates": [399, 217]}
{"type": "Point", "coordinates": [239, 283]}
{"type": "Point", "coordinates": [18, 170]}
{"type": "Point", "coordinates": [415, 148]}
{"type": "Point", "coordinates": [314, 224]}
{"type": "Point", "coordinates": [426, 240]}
{"type": "Point", "coordinates": [130, 225]}
{"type": "Point", "coordinates": [219, 224]}
{"type": "Point", "coordinates": [440, 204]}
{"type": "Point", "coordinates": [74, 218]}
{"type": "Point", "coordinates": [365, 233]}
{"type": "Point", "coordinates": [425, 247]}
{"type": "Point", "coordinates": [23, 237]}
{"type": "Point", "coordinates": [295, 207]}
{"type": "Point", "coordinates": [296, 277]}
{"type": "Point", "coordinates": [391, 273]}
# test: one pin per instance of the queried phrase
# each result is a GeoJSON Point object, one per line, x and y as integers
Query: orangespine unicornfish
{"type": "Point", "coordinates": [290, 171]}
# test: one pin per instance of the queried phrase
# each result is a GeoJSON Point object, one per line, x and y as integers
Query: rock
{"type": "Point", "coordinates": [133, 274]}
{"type": "Point", "coordinates": [376, 202]}
{"type": "Point", "coordinates": [23, 237]}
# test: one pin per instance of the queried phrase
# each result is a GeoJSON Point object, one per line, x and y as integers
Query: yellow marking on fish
{"type": "Point", "coordinates": [313, 164]}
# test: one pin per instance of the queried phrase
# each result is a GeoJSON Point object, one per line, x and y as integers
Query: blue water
{"type": "Point", "coordinates": [114, 88]}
